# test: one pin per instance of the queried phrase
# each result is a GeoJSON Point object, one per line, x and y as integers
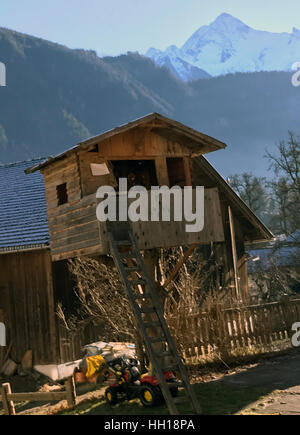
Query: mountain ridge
{"type": "Point", "coordinates": [227, 45]}
{"type": "Point", "coordinates": [55, 97]}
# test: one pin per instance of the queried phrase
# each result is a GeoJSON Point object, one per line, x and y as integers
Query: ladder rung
{"type": "Point", "coordinates": [151, 324]}
{"type": "Point", "coordinates": [137, 281]}
{"type": "Point", "coordinates": [142, 296]}
{"type": "Point", "coordinates": [164, 353]}
{"type": "Point", "coordinates": [126, 255]}
{"type": "Point", "coordinates": [123, 242]}
{"type": "Point", "coordinates": [145, 310]}
{"type": "Point", "coordinates": [132, 269]}
{"type": "Point", "coordinates": [157, 339]}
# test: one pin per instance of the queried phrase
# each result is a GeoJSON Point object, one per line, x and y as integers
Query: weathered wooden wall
{"type": "Point", "coordinates": [26, 297]}
{"type": "Point", "coordinates": [71, 344]}
{"type": "Point", "coordinates": [72, 226]}
{"type": "Point", "coordinates": [140, 143]}
{"type": "Point", "coordinates": [74, 229]}
{"type": "Point", "coordinates": [160, 234]}
{"type": "Point", "coordinates": [78, 232]}
{"type": "Point", "coordinates": [90, 183]}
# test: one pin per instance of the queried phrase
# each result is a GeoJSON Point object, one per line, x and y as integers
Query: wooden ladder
{"type": "Point", "coordinates": [144, 300]}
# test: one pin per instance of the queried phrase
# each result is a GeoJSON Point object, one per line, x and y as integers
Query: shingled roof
{"type": "Point", "coordinates": [23, 215]}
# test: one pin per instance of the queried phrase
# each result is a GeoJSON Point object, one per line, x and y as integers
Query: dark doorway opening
{"type": "Point", "coordinates": [137, 172]}
{"type": "Point", "coordinates": [176, 171]}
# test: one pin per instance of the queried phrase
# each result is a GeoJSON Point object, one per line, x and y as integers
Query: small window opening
{"type": "Point", "coordinates": [95, 149]}
{"type": "Point", "coordinates": [62, 194]}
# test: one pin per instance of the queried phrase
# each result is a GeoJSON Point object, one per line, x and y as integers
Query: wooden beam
{"type": "Point", "coordinates": [179, 265]}
{"type": "Point", "coordinates": [234, 254]}
{"type": "Point", "coordinates": [187, 170]}
{"type": "Point", "coordinates": [162, 171]}
{"type": "Point", "coordinates": [70, 391]}
{"type": "Point", "coordinates": [243, 274]}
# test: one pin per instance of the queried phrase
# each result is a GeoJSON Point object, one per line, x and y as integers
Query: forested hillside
{"type": "Point", "coordinates": [56, 96]}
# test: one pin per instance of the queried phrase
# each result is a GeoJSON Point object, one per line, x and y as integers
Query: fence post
{"type": "Point", "coordinates": [71, 391]}
{"type": "Point", "coordinates": [286, 311]}
{"type": "Point", "coordinates": [8, 405]}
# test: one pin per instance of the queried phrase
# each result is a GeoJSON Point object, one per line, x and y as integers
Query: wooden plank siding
{"type": "Point", "coordinates": [73, 226]}
{"type": "Point", "coordinates": [73, 232]}
{"type": "Point", "coordinates": [26, 298]}
{"type": "Point", "coordinates": [90, 183]}
{"type": "Point", "coordinates": [160, 234]}
{"type": "Point", "coordinates": [74, 229]}
{"type": "Point", "coordinates": [141, 143]}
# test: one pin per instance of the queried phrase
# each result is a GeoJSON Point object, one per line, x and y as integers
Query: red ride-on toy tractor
{"type": "Point", "coordinates": [126, 383]}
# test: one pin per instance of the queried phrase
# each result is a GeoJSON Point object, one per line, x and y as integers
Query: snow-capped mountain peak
{"type": "Point", "coordinates": [226, 22]}
{"type": "Point", "coordinates": [228, 45]}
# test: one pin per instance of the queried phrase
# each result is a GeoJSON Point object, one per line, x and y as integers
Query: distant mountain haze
{"type": "Point", "coordinates": [227, 46]}
{"type": "Point", "coordinates": [56, 97]}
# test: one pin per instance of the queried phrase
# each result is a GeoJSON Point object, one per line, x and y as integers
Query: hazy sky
{"type": "Point", "coordinates": [118, 26]}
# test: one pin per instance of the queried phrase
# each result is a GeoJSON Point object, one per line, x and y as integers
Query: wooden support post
{"type": "Point", "coordinates": [234, 254]}
{"type": "Point", "coordinates": [8, 405]}
{"type": "Point", "coordinates": [187, 169]}
{"type": "Point", "coordinates": [71, 392]}
{"type": "Point", "coordinates": [179, 265]}
{"type": "Point", "coordinates": [162, 171]}
{"type": "Point", "coordinates": [243, 274]}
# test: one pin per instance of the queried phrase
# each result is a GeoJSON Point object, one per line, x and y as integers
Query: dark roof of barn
{"type": "Point", "coordinates": [282, 252]}
{"type": "Point", "coordinates": [23, 215]}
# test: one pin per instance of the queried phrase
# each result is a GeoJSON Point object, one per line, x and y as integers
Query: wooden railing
{"type": "Point", "coordinates": [8, 398]}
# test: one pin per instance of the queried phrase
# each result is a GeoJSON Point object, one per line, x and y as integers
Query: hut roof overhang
{"type": "Point", "coordinates": [198, 143]}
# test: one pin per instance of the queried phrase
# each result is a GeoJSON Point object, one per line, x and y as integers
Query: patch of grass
{"type": "Point", "coordinates": [215, 398]}
{"type": "Point", "coordinates": [19, 406]}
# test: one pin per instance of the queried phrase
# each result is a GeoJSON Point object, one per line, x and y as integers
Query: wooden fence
{"type": "Point", "coordinates": [233, 331]}
{"type": "Point", "coordinates": [71, 344]}
{"type": "Point", "coordinates": [8, 398]}
{"type": "Point", "coordinates": [217, 332]}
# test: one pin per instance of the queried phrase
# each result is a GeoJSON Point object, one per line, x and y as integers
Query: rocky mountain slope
{"type": "Point", "coordinates": [228, 45]}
